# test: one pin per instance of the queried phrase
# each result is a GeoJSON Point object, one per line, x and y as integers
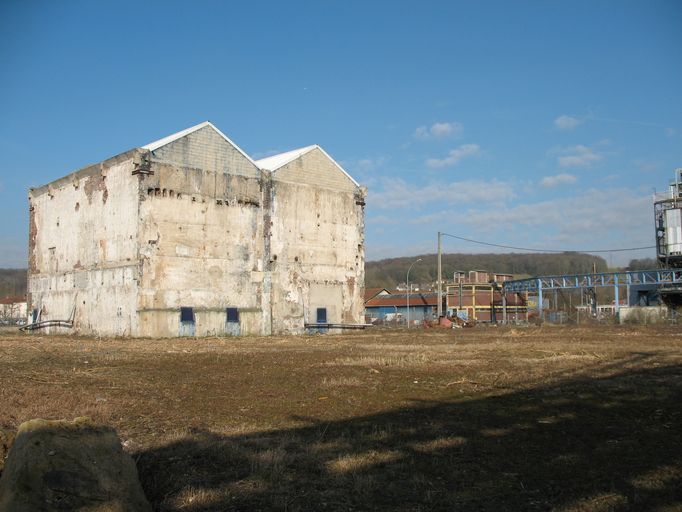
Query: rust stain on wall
{"type": "Point", "coordinates": [93, 184]}
{"type": "Point", "coordinates": [32, 233]}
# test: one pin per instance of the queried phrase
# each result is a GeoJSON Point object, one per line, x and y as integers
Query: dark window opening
{"type": "Point", "coordinates": [321, 315]}
{"type": "Point", "coordinates": [187, 314]}
{"type": "Point", "coordinates": [232, 315]}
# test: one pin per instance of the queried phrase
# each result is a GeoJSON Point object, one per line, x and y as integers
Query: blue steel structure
{"type": "Point", "coordinates": [599, 279]}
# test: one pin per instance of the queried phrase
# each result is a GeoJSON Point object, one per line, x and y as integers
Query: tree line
{"type": "Point", "coordinates": [388, 273]}
{"type": "Point", "coordinates": [13, 282]}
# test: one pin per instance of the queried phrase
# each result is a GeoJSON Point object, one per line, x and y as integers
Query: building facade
{"type": "Point", "coordinates": [190, 236]}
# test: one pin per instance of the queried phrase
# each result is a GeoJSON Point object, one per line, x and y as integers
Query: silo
{"type": "Point", "coordinates": [668, 217]}
{"type": "Point", "coordinates": [668, 222]}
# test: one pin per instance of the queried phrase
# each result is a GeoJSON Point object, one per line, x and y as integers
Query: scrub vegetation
{"type": "Point", "coordinates": [535, 418]}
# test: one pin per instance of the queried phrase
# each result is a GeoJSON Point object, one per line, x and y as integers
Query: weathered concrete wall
{"type": "Point", "coordinates": [195, 224]}
{"type": "Point", "coordinates": [317, 244]}
{"type": "Point", "coordinates": [316, 169]}
{"type": "Point", "coordinates": [83, 248]}
{"type": "Point", "coordinates": [200, 239]}
{"type": "Point", "coordinates": [206, 149]}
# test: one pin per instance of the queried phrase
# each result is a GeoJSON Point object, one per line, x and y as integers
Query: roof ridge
{"type": "Point", "coordinates": [153, 146]}
{"type": "Point", "coordinates": [294, 153]}
{"type": "Point", "coordinates": [297, 153]}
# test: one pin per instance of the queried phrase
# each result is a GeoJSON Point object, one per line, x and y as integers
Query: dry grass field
{"type": "Point", "coordinates": [537, 418]}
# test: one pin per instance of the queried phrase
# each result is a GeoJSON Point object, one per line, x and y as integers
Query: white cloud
{"type": "Point", "coordinates": [422, 132]}
{"type": "Point", "coordinates": [439, 130]}
{"type": "Point", "coordinates": [607, 218]}
{"type": "Point", "coordinates": [370, 164]}
{"type": "Point", "coordinates": [454, 156]}
{"type": "Point", "coordinates": [558, 179]}
{"type": "Point", "coordinates": [591, 219]}
{"type": "Point", "coordinates": [567, 122]}
{"type": "Point", "coordinates": [396, 193]}
{"type": "Point", "coordinates": [578, 156]}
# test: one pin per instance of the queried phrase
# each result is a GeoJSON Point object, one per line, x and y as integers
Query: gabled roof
{"type": "Point", "coordinates": [274, 162]}
{"type": "Point", "coordinates": [370, 293]}
{"type": "Point", "coordinates": [153, 146]}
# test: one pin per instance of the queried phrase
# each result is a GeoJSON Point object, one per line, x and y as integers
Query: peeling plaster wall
{"type": "Point", "coordinates": [198, 225]}
{"type": "Point", "coordinates": [83, 248]}
{"type": "Point", "coordinates": [317, 244]}
{"type": "Point", "coordinates": [200, 238]}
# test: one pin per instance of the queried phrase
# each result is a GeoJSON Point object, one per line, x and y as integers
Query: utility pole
{"type": "Point", "coordinates": [440, 279]}
{"type": "Point", "coordinates": [408, 292]}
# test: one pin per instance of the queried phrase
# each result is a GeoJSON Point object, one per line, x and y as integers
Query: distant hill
{"type": "Point", "coordinates": [13, 281]}
{"type": "Point", "coordinates": [389, 272]}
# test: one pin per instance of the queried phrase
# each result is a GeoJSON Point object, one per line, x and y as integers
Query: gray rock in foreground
{"type": "Point", "coordinates": [69, 465]}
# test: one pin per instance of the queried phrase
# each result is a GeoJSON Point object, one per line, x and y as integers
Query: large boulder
{"type": "Point", "coordinates": [6, 439]}
{"type": "Point", "coordinates": [69, 465]}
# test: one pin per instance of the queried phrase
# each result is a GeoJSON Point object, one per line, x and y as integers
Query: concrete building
{"type": "Point", "coordinates": [190, 236]}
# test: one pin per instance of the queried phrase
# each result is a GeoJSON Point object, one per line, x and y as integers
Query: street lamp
{"type": "Point", "coordinates": [408, 291]}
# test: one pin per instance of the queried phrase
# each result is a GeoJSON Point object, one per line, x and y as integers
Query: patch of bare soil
{"type": "Point", "coordinates": [534, 418]}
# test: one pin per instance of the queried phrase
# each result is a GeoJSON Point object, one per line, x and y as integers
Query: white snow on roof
{"type": "Point", "coordinates": [153, 146]}
{"type": "Point", "coordinates": [274, 162]}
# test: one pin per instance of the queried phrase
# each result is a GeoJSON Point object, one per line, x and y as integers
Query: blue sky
{"type": "Point", "coordinates": [535, 124]}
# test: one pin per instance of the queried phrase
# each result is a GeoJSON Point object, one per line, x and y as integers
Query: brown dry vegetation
{"type": "Point", "coordinates": [533, 418]}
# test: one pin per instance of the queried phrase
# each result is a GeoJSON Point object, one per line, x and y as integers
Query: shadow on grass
{"type": "Point", "coordinates": [583, 444]}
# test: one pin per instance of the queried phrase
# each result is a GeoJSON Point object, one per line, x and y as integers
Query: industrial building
{"type": "Point", "coordinates": [668, 222]}
{"type": "Point", "coordinates": [477, 295]}
{"type": "Point", "coordinates": [188, 235]}
{"type": "Point", "coordinates": [388, 307]}
{"type": "Point", "coordinates": [472, 296]}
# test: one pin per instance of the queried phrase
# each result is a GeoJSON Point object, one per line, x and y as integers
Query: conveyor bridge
{"type": "Point", "coordinates": [598, 279]}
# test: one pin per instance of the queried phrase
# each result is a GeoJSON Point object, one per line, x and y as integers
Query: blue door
{"type": "Point", "coordinates": [187, 322]}
{"type": "Point", "coordinates": [232, 322]}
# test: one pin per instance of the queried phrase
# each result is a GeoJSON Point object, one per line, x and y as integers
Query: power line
{"type": "Point", "coordinates": [544, 250]}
